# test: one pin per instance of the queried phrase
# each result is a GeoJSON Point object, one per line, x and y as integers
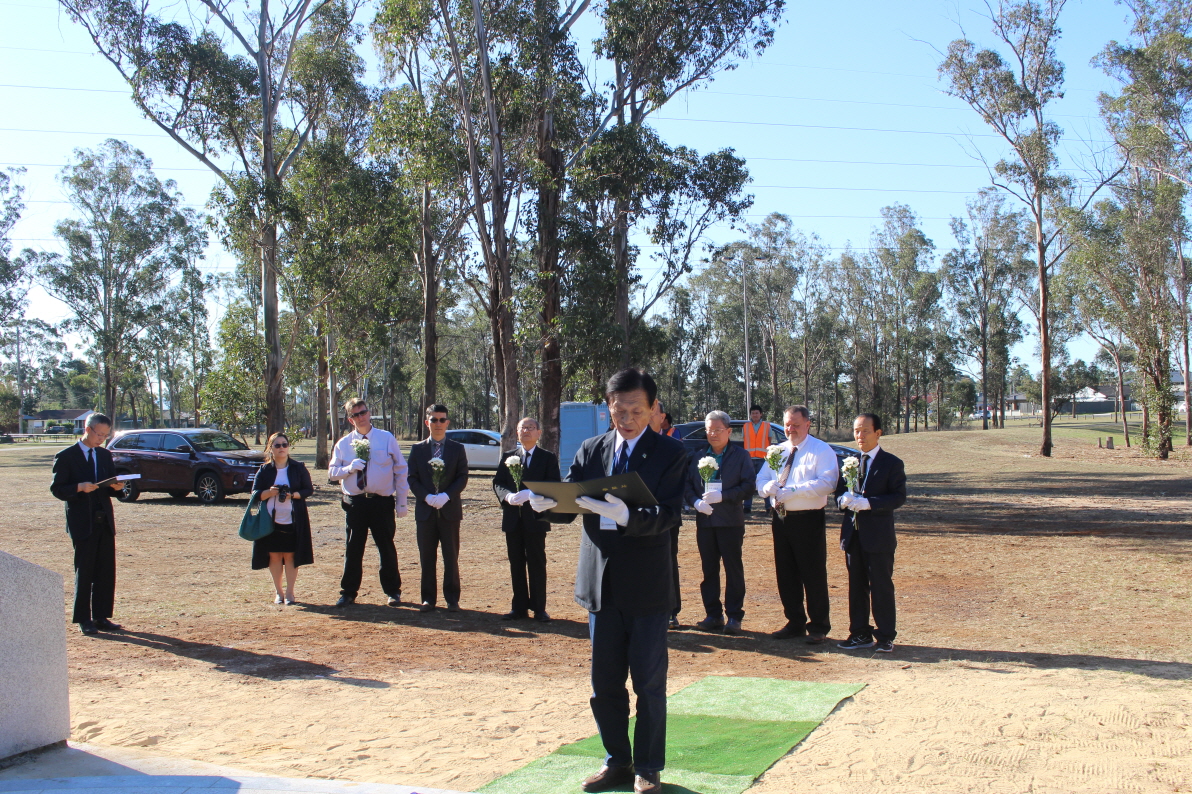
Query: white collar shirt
{"type": "Point", "coordinates": [871, 454]}
{"type": "Point", "coordinates": [813, 478]}
{"type": "Point", "coordinates": [618, 442]}
{"type": "Point", "coordinates": [526, 454]}
{"type": "Point", "coordinates": [386, 470]}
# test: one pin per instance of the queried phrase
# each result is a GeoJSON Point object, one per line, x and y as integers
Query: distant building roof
{"type": "Point", "coordinates": [64, 414]}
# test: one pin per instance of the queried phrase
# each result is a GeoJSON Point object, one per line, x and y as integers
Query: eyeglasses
{"type": "Point", "coordinates": [280, 445]}
{"type": "Point", "coordinates": [361, 412]}
{"type": "Point", "coordinates": [436, 420]}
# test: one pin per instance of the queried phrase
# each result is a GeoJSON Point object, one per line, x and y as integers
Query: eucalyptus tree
{"type": "Point", "coordinates": [1151, 121]}
{"type": "Point", "coordinates": [12, 271]}
{"type": "Point", "coordinates": [1125, 259]}
{"type": "Point", "coordinates": [981, 274]}
{"type": "Point", "coordinates": [243, 90]}
{"type": "Point", "coordinates": [128, 241]}
{"type": "Point", "coordinates": [1012, 94]}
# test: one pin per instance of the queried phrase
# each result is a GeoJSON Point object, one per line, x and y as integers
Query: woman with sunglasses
{"type": "Point", "coordinates": [284, 485]}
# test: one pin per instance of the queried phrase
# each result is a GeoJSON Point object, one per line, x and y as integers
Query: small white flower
{"type": "Point", "coordinates": [708, 462]}
{"type": "Point", "coordinates": [513, 460]}
{"type": "Point", "coordinates": [437, 463]}
{"type": "Point", "coordinates": [362, 448]}
{"type": "Point", "coordinates": [850, 465]}
{"type": "Point", "coordinates": [775, 449]}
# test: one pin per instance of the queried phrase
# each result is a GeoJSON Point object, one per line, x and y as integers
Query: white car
{"type": "Point", "coordinates": [483, 446]}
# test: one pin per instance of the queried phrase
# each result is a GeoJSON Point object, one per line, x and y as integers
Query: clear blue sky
{"type": "Point", "coordinates": [841, 116]}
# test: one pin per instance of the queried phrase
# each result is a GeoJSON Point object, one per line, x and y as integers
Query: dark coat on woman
{"type": "Point", "coordinates": [300, 483]}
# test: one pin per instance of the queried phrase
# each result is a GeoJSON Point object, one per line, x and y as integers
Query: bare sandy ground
{"type": "Point", "coordinates": [1043, 647]}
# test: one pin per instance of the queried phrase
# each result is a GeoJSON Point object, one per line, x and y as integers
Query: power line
{"type": "Point", "coordinates": [64, 88]}
{"type": "Point", "coordinates": [833, 127]}
{"type": "Point", "coordinates": [65, 165]}
{"type": "Point", "coordinates": [83, 132]}
{"type": "Point", "coordinates": [867, 102]}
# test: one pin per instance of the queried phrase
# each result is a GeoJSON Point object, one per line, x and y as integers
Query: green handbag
{"type": "Point", "coordinates": [257, 523]}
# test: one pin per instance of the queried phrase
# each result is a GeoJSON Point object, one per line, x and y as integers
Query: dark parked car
{"type": "Point", "coordinates": [696, 441]}
{"type": "Point", "coordinates": [209, 463]}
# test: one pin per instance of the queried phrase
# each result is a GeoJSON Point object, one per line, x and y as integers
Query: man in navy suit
{"type": "Point", "coordinates": [624, 580]}
{"type": "Point", "coordinates": [868, 541]}
{"type": "Point", "coordinates": [90, 523]}
{"type": "Point", "coordinates": [439, 510]}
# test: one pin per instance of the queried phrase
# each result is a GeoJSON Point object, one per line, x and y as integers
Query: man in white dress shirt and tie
{"type": "Point", "coordinates": [374, 497]}
{"type": "Point", "coordinates": [800, 492]}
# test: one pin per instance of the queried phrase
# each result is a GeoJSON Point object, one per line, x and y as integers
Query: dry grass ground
{"type": "Point", "coordinates": [1043, 641]}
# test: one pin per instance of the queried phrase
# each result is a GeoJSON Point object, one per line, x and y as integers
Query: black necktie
{"type": "Point", "coordinates": [362, 475]}
{"type": "Point", "coordinates": [526, 460]}
{"type": "Point", "coordinates": [864, 469]}
{"type": "Point", "coordinates": [91, 464]}
{"type": "Point", "coordinates": [622, 464]}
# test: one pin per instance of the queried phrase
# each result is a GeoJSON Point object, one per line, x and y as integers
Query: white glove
{"type": "Point", "coordinates": [784, 494]}
{"type": "Point", "coordinates": [611, 508]}
{"type": "Point", "coordinates": [846, 500]}
{"type": "Point", "coordinates": [713, 497]}
{"type": "Point", "coordinates": [770, 489]}
{"type": "Point", "coordinates": [859, 503]}
{"type": "Point", "coordinates": [357, 465]}
{"type": "Point", "coordinates": [521, 497]}
{"type": "Point", "coordinates": [541, 503]}
{"type": "Point", "coordinates": [703, 507]}
{"type": "Point", "coordinates": [402, 511]}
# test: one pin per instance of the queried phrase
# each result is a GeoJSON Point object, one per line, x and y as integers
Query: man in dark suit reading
{"type": "Point", "coordinates": [624, 581]}
{"type": "Point", "coordinates": [438, 475]}
{"type": "Point", "coordinates": [90, 523]}
{"type": "Point", "coordinates": [525, 530]}
{"type": "Point", "coordinates": [868, 541]}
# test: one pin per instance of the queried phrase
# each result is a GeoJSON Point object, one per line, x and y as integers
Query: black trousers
{"type": "Point", "coordinates": [801, 563]}
{"type": "Point", "coordinates": [527, 555]}
{"type": "Point", "coordinates": [870, 579]}
{"type": "Point", "coordinates": [95, 573]}
{"type": "Point", "coordinates": [675, 571]}
{"type": "Point", "coordinates": [716, 545]}
{"type": "Point", "coordinates": [434, 532]}
{"type": "Point", "coordinates": [376, 515]}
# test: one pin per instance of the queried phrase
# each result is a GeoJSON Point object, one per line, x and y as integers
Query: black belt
{"type": "Point", "coordinates": [371, 495]}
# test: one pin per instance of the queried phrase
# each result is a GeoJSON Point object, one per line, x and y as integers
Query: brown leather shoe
{"type": "Point", "coordinates": [787, 632]}
{"type": "Point", "coordinates": [815, 639]}
{"type": "Point", "coordinates": [647, 783]}
{"type": "Point", "coordinates": [609, 777]}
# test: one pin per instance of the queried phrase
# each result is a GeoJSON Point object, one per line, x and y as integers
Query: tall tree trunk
{"type": "Point", "coordinates": [275, 407]}
{"type": "Point", "coordinates": [430, 309]}
{"type": "Point", "coordinates": [621, 271]}
{"type": "Point", "coordinates": [549, 197]}
{"type": "Point", "coordinates": [320, 426]}
{"type": "Point", "coordinates": [1184, 333]}
{"type": "Point", "coordinates": [1044, 328]}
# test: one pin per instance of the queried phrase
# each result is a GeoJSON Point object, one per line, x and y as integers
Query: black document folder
{"type": "Point", "coordinates": [628, 487]}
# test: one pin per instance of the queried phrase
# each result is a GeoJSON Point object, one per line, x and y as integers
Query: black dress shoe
{"type": "Point", "coordinates": [787, 632]}
{"type": "Point", "coordinates": [542, 617]}
{"type": "Point", "coordinates": [105, 624]}
{"type": "Point", "coordinates": [453, 606]}
{"type": "Point", "coordinates": [609, 777]}
{"type": "Point", "coordinates": [394, 600]}
{"type": "Point", "coordinates": [815, 639]}
{"type": "Point", "coordinates": [515, 614]}
{"type": "Point", "coordinates": [674, 623]}
{"type": "Point", "coordinates": [426, 607]}
{"type": "Point", "coordinates": [87, 627]}
{"type": "Point", "coordinates": [345, 601]}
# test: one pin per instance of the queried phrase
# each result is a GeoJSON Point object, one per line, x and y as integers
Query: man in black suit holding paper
{"type": "Point", "coordinates": [439, 510]}
{"type": "Point", "coordinates": [90, 523]}
{"type": "Point", "coordinates": [624, 581]}
{"type": "Point", "coordinates": [868, 541]}
{"type": "Point", "coordinates": [525, 530]}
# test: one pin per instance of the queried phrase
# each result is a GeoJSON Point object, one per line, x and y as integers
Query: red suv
{"type": "Point", "coordinates": [209, 463]}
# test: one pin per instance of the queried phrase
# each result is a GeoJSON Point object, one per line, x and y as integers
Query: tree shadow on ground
{"type": "Point", "coordinates": [234, 660]}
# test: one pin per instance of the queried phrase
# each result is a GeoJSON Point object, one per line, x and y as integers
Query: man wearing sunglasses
{"type": "Point", "coordinates": [439, 509]}
{"type": "Point", "coordinates": [373, 498]}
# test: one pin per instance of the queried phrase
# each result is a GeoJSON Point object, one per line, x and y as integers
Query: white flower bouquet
{"type": "Point", "coordinates": [436, 473]}
{"type": "Point", "coordinates": [707, 468]}
{"type": "Point", "coordinates": [851, 470]}
{"type": "Point", "coordinates": [514, 464]}
{"type": "Point", "coordinates": [361, 448]}
{"type": "Point", "coordinates": [774, 456]}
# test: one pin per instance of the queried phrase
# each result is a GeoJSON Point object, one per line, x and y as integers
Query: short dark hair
{"type": "Point", "coordinates": [669, 419]}
{"type": "Point", "coordinates": [874, 420]}
{"type": "Point", "coordinates": [798, 409]}
{"type": "Point", "coordinates": [632, 379]}
{"type": "Point", "coordinates": [756, 407]}
{"type": "Point", "coordinates": [437, 408]}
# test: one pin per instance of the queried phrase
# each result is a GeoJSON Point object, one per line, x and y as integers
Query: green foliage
{"type": "Point", "coordinates": [234, 392]}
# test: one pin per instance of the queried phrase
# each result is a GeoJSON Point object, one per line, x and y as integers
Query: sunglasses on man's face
{"type": "Point", "coordinates": [280, 445]}
{"type": "Point", "coordinates": [361, 412]}
{"type": "Point", "coordinates": [436, 420]}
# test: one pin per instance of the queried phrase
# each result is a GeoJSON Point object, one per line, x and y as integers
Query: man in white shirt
{"type": "Point", "coordinates": [800, 490]}
{"type": "Point", "coordinates": [373, 497]}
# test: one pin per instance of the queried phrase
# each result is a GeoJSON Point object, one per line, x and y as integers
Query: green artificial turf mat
{"type": "Point", "coordinates": [719, 745]}
{"type": "Point", "coordinates": [721, 734]}
{"type": "Point", "coordinates": [760, 698]}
